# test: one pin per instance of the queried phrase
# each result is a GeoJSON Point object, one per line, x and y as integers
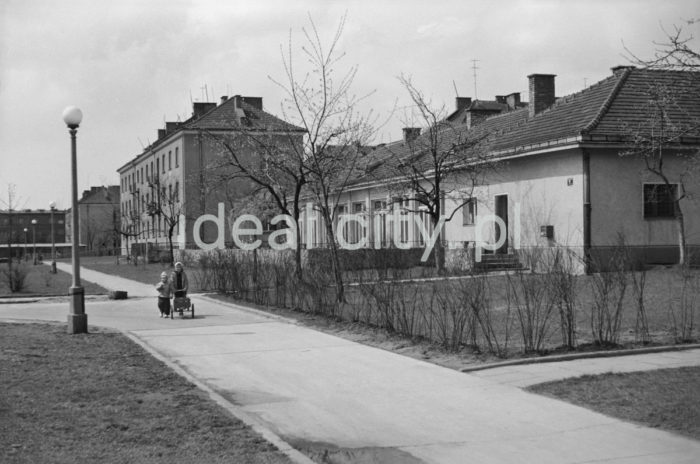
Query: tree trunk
{"type": "Point", "coordinates": [682, 247]}
{"type": "Point", "coordinates": [170, 244]}
{"type": "Point", "coordinates": [335, 261]}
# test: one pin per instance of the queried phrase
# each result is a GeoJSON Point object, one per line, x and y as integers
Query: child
{"type": "Point", "coordinates": [164, 294]}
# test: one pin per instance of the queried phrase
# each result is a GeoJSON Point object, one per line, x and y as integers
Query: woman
{"type": "Point", "coordinates": [178, 279]}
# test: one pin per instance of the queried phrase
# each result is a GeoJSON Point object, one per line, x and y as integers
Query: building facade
{"type": "Point", "coordinates": [99, 219]}
{"type": "Point", "coordinates": [28, 232]}
{"type": "Point", "coordinates": [575, 172]}
{"type": "Point", "coordinates": [185, 173]}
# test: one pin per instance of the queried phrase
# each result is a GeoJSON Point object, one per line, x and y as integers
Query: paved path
{"type": "Point", "coordinates": [368, 405]}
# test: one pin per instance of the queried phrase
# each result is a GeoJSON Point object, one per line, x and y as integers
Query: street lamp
{"type": "Point", "coordinates": [34, 240]}
{"type": "Point", "coordinates": [77, 319]}
{"type": "Point", "coordinates": [52, 206]}
{"type": "Point", "coordinates": [25, 243]}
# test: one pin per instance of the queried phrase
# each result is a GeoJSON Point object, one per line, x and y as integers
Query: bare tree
{"type": "Point", "coordinates": [657, 141]}
{"type": "Point", "coordinates": [127, 227]}
{"type": "Point", "coordinates": [275, 166]}
{"type": "Point", "coordinates": [667, 120]}
{"type": "Point", "coordinates": [320, 101]}
{"type": "Point", "coordinates": [165, 204]}
{"type": "Point", "coordinates": [674, 52]}
{"type": "Point", "coordinates": [445, 160]}
{"type": "Point", "coordinates": [15, 279]}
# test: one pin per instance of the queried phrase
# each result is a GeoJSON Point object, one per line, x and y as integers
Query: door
{"type": "Point", "coordinates": [501, 207]}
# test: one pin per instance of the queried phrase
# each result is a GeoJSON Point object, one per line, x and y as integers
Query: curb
{"type": "Point", "coordinates": [285, 448]}
{"type": "Point", "coordinates": [577, 356]}
{"type": "Point", "coordinates": [257, 312]}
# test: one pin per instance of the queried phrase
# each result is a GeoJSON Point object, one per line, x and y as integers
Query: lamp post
{"type": "Point", "coordinates": [25, 243]}
{"type": "Point", "coordinates": [77, 319]}
{"type": "Point", "coordinates": [52, 206]}
{"type": "Point", "coordinates": [34, 241]}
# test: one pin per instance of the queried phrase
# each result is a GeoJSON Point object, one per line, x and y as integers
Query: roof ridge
{"type": "Point", "coordinates": [608, 102]}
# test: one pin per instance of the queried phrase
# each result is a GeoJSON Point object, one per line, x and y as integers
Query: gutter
{"type": "Point", "coordinates": [587, 211]}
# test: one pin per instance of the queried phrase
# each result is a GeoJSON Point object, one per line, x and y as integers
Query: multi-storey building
{"type": "Point", "coordinates": [99, 219]}
{"type": "Point", "coordinates": [178, 178]}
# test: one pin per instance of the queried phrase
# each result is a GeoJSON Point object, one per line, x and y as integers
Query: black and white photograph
{"type": "Point", "coordinates": [350, 232]}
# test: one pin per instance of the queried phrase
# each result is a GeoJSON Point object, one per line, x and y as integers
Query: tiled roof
{"type": "Point", "coordinates": [236, 113]}
{"type": "Point", "coordinates": [101, 195]}
{"type": "Point", "coordinates": [610, 110]}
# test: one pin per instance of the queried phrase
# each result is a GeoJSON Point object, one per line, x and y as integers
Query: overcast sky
{"type": "Point", "coordinates": [131, 65]}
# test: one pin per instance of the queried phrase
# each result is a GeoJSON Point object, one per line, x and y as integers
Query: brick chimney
{"type": "Point", "coordinates": [617, 70]}
{"type": "Point", "coordinates": [513, 100]}
{"type": "Point", "coordinates": [255, 102]}
{"type": "Point", "coordinates": [223, 99]}
{"type": "Point", "coordinates": [200, 108]}
{"type": "Point", "coordinates": [410, 134]}
{"type": "Point", "coordinates": [541, 92]}
{"type": "Point", "coordinates": [462, 102]}
{"type": "Point", "coordinates": [161, 133]}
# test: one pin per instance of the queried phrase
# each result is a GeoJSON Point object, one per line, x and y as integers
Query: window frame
{"type": "Point", "coordinates": [656, 209]}
{"type": "Point", "coordinates": [469, 212]}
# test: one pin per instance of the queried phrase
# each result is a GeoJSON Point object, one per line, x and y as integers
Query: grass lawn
{"type": "Point", "coordinates": [41, 282]}
{"type": "Point", "coordinates": [668, 399]}
{"type": "Point", "coordinates": [99, 397]}
{"type": "Point", "coordinates": [144, 273]}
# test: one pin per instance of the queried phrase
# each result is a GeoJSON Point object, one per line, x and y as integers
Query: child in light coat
{"type": "Point", "coordinates": [165, 293]}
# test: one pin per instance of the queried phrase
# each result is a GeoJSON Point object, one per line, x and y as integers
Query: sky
{"type": "Point", "coordinates": [132, 65]}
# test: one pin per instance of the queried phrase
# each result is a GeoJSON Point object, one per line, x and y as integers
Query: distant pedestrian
{"type": "Point", "coordinates": [165, 292]}
{"type": "Point", "coordinates": [178, 280]}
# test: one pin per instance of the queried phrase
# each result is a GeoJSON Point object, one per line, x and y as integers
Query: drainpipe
{"type": "Point", "coordinates": [587, 211]}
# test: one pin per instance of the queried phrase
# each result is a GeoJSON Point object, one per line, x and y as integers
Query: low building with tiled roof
{"type": "Point", "coordinates": [565, 175]}
{"type": "Point", "coordinates": [178, 167]}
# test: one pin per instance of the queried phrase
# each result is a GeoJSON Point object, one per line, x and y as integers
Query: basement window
{"type": "Point", "coordinates": [660, 200]}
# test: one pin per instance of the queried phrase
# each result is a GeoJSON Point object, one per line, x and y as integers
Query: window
{"type": "Point", "coordinates": [177, 189]}
{"type": "Point", "coordinates": [162, 163]}
{"type": "Point", "coordinates": [170, 160]}
{"type": "Point", "coordinates": [177, 153]}
{"type": "Point", "coordinates": [660, 200]}
{"type": "Point", "coordinates": [379, 222]}
{"type": "Point", "coordinates": [357, 232]}
{"type": "Point", "coordinates": [469, 212]}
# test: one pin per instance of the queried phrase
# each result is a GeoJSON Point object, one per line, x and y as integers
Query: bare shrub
{"type": "Point", "coordinates": [638, 280]}
{"type": "Point", "coordinates": [16, 277]}
{"type": "Point", "coordinates": [534, 303]}
{"type": "Point", "coordinates": [450, 315]}
{"type": "Point", "coordinates": [608, 287]}
{"type": "Point", "coordinates": [394, 306]}
{"type": "Point", "coordinates": [564, 291]}
{"type": "Point", "coordinates": [482, 315]}
{"type": "Point", "coordinates": [682, 310]}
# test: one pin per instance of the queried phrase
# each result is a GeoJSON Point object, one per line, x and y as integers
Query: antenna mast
{"type": "Point", "coordinates": [474, 68]}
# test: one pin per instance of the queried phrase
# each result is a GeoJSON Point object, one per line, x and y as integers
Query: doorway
{"type": "Point", "coordinates": [501, 209]}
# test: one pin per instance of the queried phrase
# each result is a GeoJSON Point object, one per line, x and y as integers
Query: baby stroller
{"type": "Point", "coordinates": [182, 304]}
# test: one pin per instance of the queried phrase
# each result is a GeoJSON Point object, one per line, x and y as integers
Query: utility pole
{"type": "Point", "coordinates": [474, 68]}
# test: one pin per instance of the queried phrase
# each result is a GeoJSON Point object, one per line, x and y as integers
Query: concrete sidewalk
{"type": "Point", "coordinates": [361, 404]}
